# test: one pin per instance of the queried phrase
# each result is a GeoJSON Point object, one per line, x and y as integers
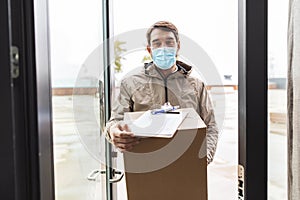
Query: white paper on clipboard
{"type": "Point", "coordinates": [158, 125]}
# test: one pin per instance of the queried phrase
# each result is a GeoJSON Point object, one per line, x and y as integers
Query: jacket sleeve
{"type": "Point", "coordinates": [208, 116]}
{"type": "Point", "coordinates": [122, 104]}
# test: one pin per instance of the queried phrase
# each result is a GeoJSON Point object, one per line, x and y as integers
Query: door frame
{"type": "Point", "coordinates": [253, 87]}
{"type": "Point", "coordinates": [7, 151]}
{"type": "Point", "coordinates": [26, 103]}
{"type": "Point", "coordinates": [34, 155]}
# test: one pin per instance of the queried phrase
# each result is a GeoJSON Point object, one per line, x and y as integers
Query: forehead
{"type": "Point", "coordinates": [158, 34]}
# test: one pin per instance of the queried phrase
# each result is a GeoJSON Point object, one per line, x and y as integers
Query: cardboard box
{"type": "Point", "coordinates": [169, 168]}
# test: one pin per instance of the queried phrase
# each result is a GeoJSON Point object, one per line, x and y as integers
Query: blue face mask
{"type": "Point", "coordinates": [164, 58]}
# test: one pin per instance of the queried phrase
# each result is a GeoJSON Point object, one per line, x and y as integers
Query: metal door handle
{"type": "Point", "coordinates": [95, 173]}
{"type": "Point", "coordinates": [117, 179]}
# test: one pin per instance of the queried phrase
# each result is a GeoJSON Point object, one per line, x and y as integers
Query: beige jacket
{"type": "Point", "coordinates": [147, 89]}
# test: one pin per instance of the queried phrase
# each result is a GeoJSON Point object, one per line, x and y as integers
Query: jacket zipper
{"type": "Point", "coordinates": [166, 90]}
{"type": "Point", "coordinates": [166, 84]}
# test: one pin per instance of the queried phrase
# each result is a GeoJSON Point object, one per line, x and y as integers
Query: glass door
{"type": "Point", "coordinates": [78, 68]}
{"type": "Point", "coordinates": [76, 52]}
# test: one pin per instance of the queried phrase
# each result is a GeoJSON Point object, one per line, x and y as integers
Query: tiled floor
{"type": "Point", "coordinates": [77, 152]}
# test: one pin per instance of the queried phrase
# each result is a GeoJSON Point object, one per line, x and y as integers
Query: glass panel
{"type": "Point", "coordinates": [75, 38]}
{"type": "Point", "coordinates": [209, 32]}
{"type": "Point", "coordinates": [277, 98]}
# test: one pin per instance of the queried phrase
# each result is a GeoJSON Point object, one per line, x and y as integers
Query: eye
{"type": "Point", "coordinates": [156, 44]}
{"type": "Point", "coordinates": [170, 43]}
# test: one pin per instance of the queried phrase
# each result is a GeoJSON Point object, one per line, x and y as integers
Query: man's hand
{"type": "Point", "coordinates": [122, 137]}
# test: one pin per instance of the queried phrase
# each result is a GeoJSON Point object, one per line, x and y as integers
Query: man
{"type": "Point", "coordinates": [163, 80]}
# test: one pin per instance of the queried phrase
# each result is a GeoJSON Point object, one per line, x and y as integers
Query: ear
{"type": "Point", "coordinates": [149, 49]}
{"type": "Point", "coordinates": [178, 45]}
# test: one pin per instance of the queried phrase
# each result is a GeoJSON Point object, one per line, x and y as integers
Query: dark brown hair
{"type": "Point", "coordinates": [163, 25]}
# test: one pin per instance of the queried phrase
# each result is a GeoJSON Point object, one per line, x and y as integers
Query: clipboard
{"type": "Point", "coordinates": [163, 125]}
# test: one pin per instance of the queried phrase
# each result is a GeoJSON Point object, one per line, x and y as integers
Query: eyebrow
{"type": "Point", "coordinates": [168, 38]}
{"type": "Point", "coordinates": [155, 40]}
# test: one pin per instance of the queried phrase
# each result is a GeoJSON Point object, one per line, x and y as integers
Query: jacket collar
{"type": "Point", "coordinates": [183, 69]}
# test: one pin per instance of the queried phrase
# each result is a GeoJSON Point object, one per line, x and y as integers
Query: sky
{"type": "Point", "coordinates": [75, 32]}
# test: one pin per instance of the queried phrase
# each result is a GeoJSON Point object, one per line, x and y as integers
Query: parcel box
{"type": "Point", "coordinates": [169, 168]}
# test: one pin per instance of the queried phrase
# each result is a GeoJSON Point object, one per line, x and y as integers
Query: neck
{"type": "Point", "coordinates": [166, 72]}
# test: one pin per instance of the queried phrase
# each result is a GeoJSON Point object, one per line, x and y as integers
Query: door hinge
{"type": "Point", "coordinates": [14, 62]}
